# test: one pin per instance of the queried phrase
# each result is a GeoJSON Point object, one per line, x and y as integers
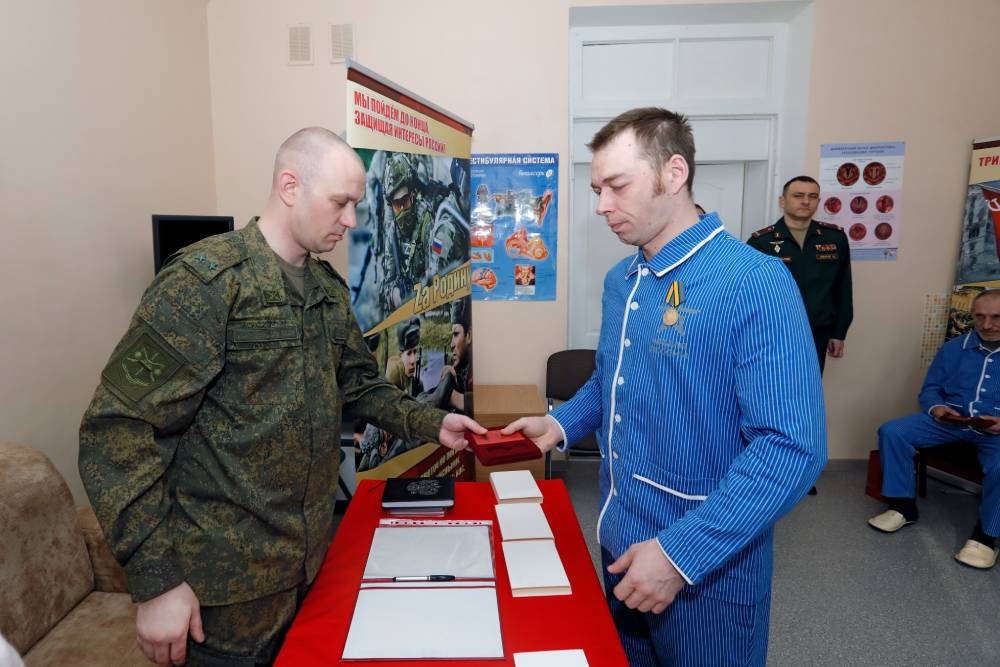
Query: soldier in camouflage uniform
{"type": "Point", "coordinates": [401, 370]}
{"type": "Point", "coordinates": [210, 449]}
{"type": "Point", "coordinates": [424, 231]}
{"type": "Point", "coordinates": [458, 376]}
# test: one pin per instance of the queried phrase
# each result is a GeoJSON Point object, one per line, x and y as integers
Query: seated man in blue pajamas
{"type": "Point", "coordinates": [963, 381]}
{"type": "Point", "coordinates": [707, 405]}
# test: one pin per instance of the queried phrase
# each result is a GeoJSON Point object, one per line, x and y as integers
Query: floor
{"type": "Point", "coordinates": [845, 595]}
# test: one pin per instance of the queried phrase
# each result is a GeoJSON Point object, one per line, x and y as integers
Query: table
{"type": "Point", "coordinates": [580, 620]}
{"type": "Point", "coordinates": [499, 405]}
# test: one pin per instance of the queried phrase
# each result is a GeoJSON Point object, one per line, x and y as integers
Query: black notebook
{"type": "Point", "coordinates": [418, 492]}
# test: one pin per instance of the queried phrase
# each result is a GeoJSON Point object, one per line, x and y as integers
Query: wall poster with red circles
{"type": "Point", "coordinates": [861, 188]}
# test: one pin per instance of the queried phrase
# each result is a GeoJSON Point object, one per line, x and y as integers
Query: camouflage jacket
{"type": "Point", "coordinates": [210, 450]}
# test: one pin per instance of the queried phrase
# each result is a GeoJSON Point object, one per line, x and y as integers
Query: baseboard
{"type": "Point", "coordinates": [953, 480]}
{"type": "Point", "coordinates": [841, 465]}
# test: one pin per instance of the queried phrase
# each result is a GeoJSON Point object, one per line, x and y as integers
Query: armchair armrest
{"type": "Point", "coordinates": [109, 576]}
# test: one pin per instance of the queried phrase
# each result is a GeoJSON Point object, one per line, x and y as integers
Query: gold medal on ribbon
{"type": "Point", "coordinates": [675, 295]}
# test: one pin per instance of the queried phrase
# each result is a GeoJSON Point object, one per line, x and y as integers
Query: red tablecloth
{"type": "Point", "coordinates": [580, 620]}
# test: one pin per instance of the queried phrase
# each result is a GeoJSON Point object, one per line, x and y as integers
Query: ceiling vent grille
{"type": "Point", "coordinates": [299, 45]}
{"type": "Point", "coordinates": [341, 42]}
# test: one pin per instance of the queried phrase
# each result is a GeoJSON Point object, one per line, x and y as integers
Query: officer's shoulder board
{"type": "Point", "coordinates": [211, 256]}
{"type": "Point", "coordinates": [830, 225]}
{"type": "Point", "coordinates": [761, 232]}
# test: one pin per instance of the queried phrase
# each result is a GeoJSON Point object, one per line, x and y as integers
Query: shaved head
{"type": "Point", "coordinates": [304, 153]}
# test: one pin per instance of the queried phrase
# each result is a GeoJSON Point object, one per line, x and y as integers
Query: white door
{"type": "Point", "coordinates": [594, 249]}
{"type": "Point", "coordinates": [719, 188]}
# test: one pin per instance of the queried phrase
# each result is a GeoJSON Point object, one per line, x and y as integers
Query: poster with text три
{"type": "Point", "coordinates": [861, 189]}
{"type": "Point", "coordinates": [513, 227]}
{"type": "Point", "coordinates": [408, 274]}
{"type": "Point", "coordinates": [979, 252]}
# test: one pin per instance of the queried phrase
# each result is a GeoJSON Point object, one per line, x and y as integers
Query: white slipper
{"type": "Point", "coordinates": [888, 521]}
{"type": "Point", "coordinates": [977, 555]}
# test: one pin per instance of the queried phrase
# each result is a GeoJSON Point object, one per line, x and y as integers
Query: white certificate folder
{"type": "Point", "coordinates": [410, 619]}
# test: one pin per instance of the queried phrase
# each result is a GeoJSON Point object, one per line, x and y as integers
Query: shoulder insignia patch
{"type": "Point", "coordinates": [210, 257]}
{"type": "Point", "coordinates": [142, 366]}
{"type": "Point", "coordinates": [761, 232]}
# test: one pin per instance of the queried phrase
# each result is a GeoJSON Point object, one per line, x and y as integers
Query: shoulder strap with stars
{"type": "Point", "coordinates": [761, 232]}
{"type": "Point", "coordinates": [210, 257]}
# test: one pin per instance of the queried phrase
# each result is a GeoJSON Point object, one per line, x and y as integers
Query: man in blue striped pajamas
{"type": "Point", "coordinates": [961, 385]}
{"type": "Point", "coordinates": [707, 405]}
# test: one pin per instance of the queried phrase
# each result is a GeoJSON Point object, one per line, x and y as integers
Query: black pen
{"type": "Point", "coordinates": [427, 577]}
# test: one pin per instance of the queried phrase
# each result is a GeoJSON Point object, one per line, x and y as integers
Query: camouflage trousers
{"type": "Point", "coordinates": [247, 633]}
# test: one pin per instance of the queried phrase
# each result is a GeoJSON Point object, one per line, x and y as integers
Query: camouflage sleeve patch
{"type": "Point", "coordinates": [142, 366]}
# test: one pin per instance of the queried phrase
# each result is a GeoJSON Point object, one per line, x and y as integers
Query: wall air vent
{"type": "Point", "coordinates": [341, 42]}
{"type": "Point", "coordinates": [299, 45]}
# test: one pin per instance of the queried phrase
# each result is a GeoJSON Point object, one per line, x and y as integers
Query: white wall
{"type": "Point", "coordinates": [104, 120]}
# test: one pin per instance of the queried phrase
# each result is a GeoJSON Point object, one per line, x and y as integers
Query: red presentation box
{"type": "Point", "coordinates": [492, 448]}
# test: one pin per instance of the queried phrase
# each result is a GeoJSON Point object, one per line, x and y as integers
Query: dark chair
{"type": "Point", "coordinates": [960, 459]}
{"type": "Point", "coordinates": [565, 373]}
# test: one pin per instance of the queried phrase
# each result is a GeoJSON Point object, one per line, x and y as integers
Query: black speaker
{"type": "Point", "coordinates": [173, 232]}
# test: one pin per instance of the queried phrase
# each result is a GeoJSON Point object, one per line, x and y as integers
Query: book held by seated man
{"type": "Point", "coordinates": [418, 496]}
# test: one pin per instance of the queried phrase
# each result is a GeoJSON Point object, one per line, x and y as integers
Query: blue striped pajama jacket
{"type": "Point", "coordinates": [712, 428]}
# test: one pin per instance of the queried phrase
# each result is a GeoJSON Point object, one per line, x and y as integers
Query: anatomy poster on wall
{"type": "Point", "coordinates": [409, 265]}
{"type": "Point", "coordinates": [513, 226]}
{"type": "Point", "coordinates": [861, 186]}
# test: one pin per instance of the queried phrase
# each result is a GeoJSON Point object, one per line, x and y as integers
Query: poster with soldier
{"type": "Point", "coordinates": [409, 265]}
{"type": "Point", "coordinates": [979, 253]}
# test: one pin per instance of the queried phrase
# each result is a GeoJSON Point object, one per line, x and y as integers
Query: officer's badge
{"type": "Point", "coordinates": [777, 245]}
{"type": "Point", "coordinates": [141, 367]}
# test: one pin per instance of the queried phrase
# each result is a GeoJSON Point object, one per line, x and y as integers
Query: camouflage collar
{"type": "Point", "coordinates": [322, 278]}
{"type": "Point", "coordinates": [270, 280]}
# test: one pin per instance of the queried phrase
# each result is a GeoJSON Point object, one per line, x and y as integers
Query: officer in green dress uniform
{"type": "Point", "coordinates": [818, 255]}
{"type": "Point", "coordinates": [210, 450]}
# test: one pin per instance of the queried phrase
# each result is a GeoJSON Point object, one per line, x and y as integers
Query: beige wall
{"type": "Point", "coordinates": [918, 72]}
{"type": "Point", "coordinates": [886, 70]}
{"type": "Point", "coordinates": [104, 119]}
{"type": "Point", "coordinates": [108, 115]}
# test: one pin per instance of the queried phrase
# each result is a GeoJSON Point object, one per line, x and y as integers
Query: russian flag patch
{"type": "Point", "coordinates": [436, 246]}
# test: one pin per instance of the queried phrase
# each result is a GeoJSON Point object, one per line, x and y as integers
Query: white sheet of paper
{"type": "Point", "coordinates": [570, 658]}
{"type": "Point", "coordinates": [403, 623]}
{"type": "Point", "coordinates": [523, 521]}
{"type": "Point", "coordinates": [459, 551]}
